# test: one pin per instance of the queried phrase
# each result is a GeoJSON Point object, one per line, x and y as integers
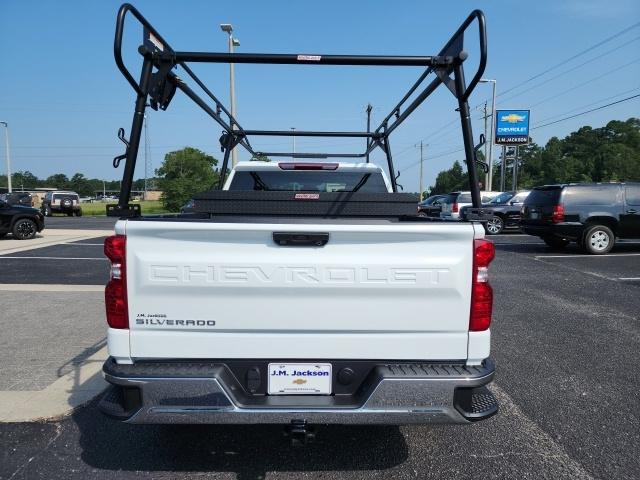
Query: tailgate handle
{"type": "Point", "coordinates": [294, 239]}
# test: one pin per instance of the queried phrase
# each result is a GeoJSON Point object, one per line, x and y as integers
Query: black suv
{"type": "Point", "coordinates": [23, 222]}
{"type": "Point", "coordinates": [593, 214]}
{"type": "Point", "coordinates": [61, 202]}
{"type": "Point", "coordinates": [18, 198]}
{"type": "Point", "coordinates": [505, 209]}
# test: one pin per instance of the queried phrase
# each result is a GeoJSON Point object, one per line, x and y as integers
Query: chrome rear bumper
{"type": "Point", "coordinates": [207, 392]}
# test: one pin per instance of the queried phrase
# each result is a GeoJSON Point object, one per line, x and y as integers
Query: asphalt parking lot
{"type": "Point", "coordinates": [565, 339]}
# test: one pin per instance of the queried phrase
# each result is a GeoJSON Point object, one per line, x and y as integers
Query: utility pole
{"type": "Point", "coordinates": [6, 133]}
{"type": "Point", "coordinates": [489, 185]}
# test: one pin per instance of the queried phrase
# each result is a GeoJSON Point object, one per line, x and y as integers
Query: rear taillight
{"type": "Point", "coordinates": [481, 292]}
{"type": "Point", "coordinates": [558, 214]}
{"type": "Point", "coordinates": [454, 208]}
{"type": "Point", "coordinates": [115, 294]}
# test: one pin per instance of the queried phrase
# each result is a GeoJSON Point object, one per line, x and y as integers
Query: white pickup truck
{"type": "Point", "coordinates": [298, 292]}
{"type": "Point", "coordinates": [282, 319]}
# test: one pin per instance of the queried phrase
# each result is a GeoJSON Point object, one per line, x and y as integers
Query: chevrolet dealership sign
{"type": "Point", "coordinates": [512, 127]}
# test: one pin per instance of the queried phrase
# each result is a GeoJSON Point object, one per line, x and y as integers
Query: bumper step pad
{"type": "Point", "coordinates": [475, 403]}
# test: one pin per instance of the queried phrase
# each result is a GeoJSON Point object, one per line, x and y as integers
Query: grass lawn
{"type": "Point", "coordinates": [147, 206]}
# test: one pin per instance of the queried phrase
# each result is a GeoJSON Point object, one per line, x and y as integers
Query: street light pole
{"type": "Point", "coordinates": [487, 182]}
{"type": "Point", "coordinates": [489, 185]}
{"type": "Point", "coordinates": [422, 146]}
{"type": "Point", "coordinates": [369, 108]}
{"type": "Point", "coordinates": [233, 42]}
{"type": "Point", "coordinates": [6, 133]}
{"type": "Point", "coordinates": [293, 137]}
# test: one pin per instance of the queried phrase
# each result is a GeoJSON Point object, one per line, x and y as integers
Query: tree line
{"type": "Point", "coordinates": [609, 153]}
{"type": "Point", "coordinates": [182, 173]}
{"type": "Point", "coordinates": [86, 187]}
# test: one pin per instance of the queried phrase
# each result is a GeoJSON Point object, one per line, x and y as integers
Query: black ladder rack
{"type": "Point", "coordinates": [158, 84]}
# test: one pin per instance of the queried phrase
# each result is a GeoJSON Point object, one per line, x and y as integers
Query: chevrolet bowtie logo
{"type": "Point", "coordinates": [299, 381]}
{"type": "Point", "coordinates": [513, 118]}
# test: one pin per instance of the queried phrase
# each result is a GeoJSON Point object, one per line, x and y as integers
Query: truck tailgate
{"type": "Point", "coordinates": [384, 290]}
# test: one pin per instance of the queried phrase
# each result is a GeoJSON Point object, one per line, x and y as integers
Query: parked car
{"type": "Point", "coordinates": [431, 206]}
{"type": "Point", "coordinates": [23, 222]}
{"type": "Point", "coordinates": [61, 202]}
{"type": "Point", "coordinates": [189, 207]}
{"type": "Point", "coordinates": [506, 212]}
{"type": "Point", "coordinates": [18, 198]}
{"type": "Point", "coordinates": [590, 214]}
{"type": "Point", "coordinates": [455, 201]}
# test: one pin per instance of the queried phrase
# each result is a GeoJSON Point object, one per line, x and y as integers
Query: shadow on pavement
{"type": "Point", "coordinates": [248, 450]}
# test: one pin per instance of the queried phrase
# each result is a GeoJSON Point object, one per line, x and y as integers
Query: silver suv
{"type": "Point", "coordinates": [455, 201]}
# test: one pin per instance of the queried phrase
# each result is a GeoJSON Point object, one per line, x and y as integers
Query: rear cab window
{"type": "Point", "coordinates": [308, 181]}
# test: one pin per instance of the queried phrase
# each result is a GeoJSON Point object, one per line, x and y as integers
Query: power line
{"type": "Point", "coordinates": [573, 57]}
{"type": "Point", "coordinates": [586, 111]}
{"type": "Point", "coordinates": [588, 104]}
{"type": "Point", "coordinates": [593, 59]}
{"type": "Point", "coordinates": [432, 157]}
{"type": "Point", "coordinates": [591, 80]}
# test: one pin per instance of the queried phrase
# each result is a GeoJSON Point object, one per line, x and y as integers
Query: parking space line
{"type": "Point", "coordinates": [540, 441]}
{"type": "Point", "coordinates": [2, 257]}
{"type": "Point", "coordinates": [509, 235]}
{"type": "Point", "coordinates": [83, 244]}
{"type": "Point", "coordinates": [48, 287]}
{"type": "Point", "coordinates": [590, 256]}
{"type": "Point", "coordinates": [519, 243]}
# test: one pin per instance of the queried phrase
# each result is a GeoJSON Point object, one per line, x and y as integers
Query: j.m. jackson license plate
{"type": "Point", "coordinates": [300, 378]}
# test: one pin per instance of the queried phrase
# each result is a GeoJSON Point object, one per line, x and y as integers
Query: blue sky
{"type": "Point", "coordinates": [64, 99]}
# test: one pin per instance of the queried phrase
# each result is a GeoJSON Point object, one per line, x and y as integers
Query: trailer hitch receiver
{"type": "Point", "coordinates": [300, 433]}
